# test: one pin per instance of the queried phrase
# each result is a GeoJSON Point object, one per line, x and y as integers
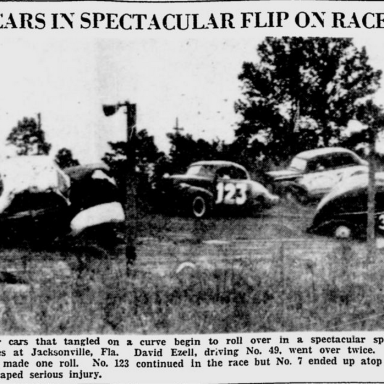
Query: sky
{"type": "Point", "coordinates": [67, 81]}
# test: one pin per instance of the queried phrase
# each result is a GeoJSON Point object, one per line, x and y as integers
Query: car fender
{"type": "Point", "coordinates": [189, 190]}
{"type": "Point", "coordinates": [257, 189]}
{"type": "Point", "coordinates": [282, 186]}
{"type": "Point", "coordinates": [327, 226]}
{"type": "Point", "coordinates": [353, 171]}
{"type": "Point", "coordinates": [107, 213]}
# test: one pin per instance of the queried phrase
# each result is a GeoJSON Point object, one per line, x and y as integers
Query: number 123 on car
{"type": "Point", "coordinates": [208, 186]}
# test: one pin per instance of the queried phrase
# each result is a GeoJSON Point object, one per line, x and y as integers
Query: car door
{"type": "Point", "coordinates": [348, 166]}
{"type": "Point", "coordinates": [231, 186]}
{"type": "Point", "coordinates": [321, 176]}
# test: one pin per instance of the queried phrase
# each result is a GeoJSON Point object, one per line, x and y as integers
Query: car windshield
{"type": "Point", "coordinates": [200, 170]}
{"type": "Point", "coordinates": [194, 170]}
{"type": "Point", "coordinates": [298, 164]}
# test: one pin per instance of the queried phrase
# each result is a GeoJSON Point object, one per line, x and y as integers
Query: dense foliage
{"type": "Point", "coordinates": [301, 94]}
{"type": "Point", "coordinates": [64, 158]}
{"type": "Point", "coordinates": [149, 162]}
{"type": "Point", "coordinates": [29, 138]}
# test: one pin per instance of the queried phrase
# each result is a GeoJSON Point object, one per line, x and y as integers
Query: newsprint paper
{"type": "Point", "coordinates": [191, 192]}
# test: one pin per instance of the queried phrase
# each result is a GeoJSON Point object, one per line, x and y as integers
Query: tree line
{"type": "Point", "coordinates": [28, 138]}
{"type": "Point", "coordinates": [298, 94]}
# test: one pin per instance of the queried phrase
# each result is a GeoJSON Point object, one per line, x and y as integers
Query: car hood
{"type": "Point", "coordinates": [284, 174]}
{"type": "Point", "coordinates": [177, 177]}
{"type": "Point", "coordinates": [258, 189]}
{"type": "Point", "coordinates": [182, 178]}
{"type": "Point", "coordinates": [79, 172]}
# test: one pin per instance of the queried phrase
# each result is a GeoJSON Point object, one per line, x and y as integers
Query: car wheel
{"type": "Point", "coordinates": [343, 231]}
{"type": "Point", "coordinates": [260, 202]}
{"type": "Point", "coordinates": [200, 206]}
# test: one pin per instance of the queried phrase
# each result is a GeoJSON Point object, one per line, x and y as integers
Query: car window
{"type": "Point", "coordinates": [194, 170]}
{"type": "Point", "coordinates": [298, 164]}
{"type": "Point", "coordinates": [200, 170]}
{"type": "Point", "coordinates": [318, 164]}
{"type": "Point", "coordinates": [237, 173]}
{"type": "Point", "coordinates": [342, 160]}
{"type": "Point", "coordinates": [312, 166]}
{"type": "Point", "coordinates": [224, 172]}
{"type": "Point", "coordinates": [207, 170]}
{"type": "Point", "coordinates": [232, 173]}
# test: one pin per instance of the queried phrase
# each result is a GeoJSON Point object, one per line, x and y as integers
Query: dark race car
{"type": "Point", "coordinates": [312, 174]}
{"type": "Point", "coordinates": [212, 185]}
{"type": "Point", "coordinates": [343, 212]}
{"type": "Point", "coordinates": [39, 201]}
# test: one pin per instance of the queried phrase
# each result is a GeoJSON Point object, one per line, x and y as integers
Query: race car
{"type": "Point", "coordinates": [343, 212]}
{"type": "Point", "coordinates": [312, 174]}
{"type": "Point", "coordinates": [209, 186]}
{"type": "Point", "coordinates": [39, 201]}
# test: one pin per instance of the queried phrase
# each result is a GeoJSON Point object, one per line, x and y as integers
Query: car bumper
{"type": "Point", "coordinates": [271, 200]}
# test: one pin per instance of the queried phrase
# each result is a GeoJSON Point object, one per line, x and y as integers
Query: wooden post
{"type": "Point", "coordinates": [371, 235]}
{"type": "Point", "coordinates": [39, 120]}
{"type": "Point", "coordinates": [130, 188]}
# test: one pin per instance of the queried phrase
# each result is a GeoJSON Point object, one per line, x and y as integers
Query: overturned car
{"type": "Point", "coordinates": [39, 201]}
{"type": "Point", "coordinates": [213, 185]}
{"type": "Point", "coordinates": [343, 212]}
{"type": "Point", "coordinates": [312, 174]}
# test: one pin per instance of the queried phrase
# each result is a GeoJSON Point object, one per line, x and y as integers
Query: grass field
{"type": "Point", "coordinates": [237, 274]}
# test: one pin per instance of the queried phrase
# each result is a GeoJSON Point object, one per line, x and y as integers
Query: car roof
{"type": "Point", "coordinates": [306, 155]}
{"type": "Point", "coordinates": [78, 172]}
{"type": "Point", "coordinates": [218, 163]}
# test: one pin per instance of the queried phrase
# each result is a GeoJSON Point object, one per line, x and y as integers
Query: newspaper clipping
{"type": "Point", "coordinates": [191, 192]}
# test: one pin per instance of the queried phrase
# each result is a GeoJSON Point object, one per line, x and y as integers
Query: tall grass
{"type": "Point", "coordinates": [283, 293]}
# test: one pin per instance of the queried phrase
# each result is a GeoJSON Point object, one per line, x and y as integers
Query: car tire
{"type": "Point", "coordinates": [342, 231]}
{"type": "Point", "coordinates": [200, 206]}
{"type": "Point", "coordinates": [260, 202]}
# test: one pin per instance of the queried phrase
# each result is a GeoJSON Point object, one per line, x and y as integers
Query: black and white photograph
{"type": "Point", "coordinates": [206, 184]}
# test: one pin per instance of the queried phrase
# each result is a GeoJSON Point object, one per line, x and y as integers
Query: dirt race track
{"type": "Point", "coordinates": [267, 259]}
{"type": "Point", "coordinates": [165, 242]}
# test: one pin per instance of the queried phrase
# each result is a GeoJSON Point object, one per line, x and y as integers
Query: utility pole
{"type": "Point", "coordinates": [130, 180]}
{"type": "Point", "coordinates": [296, 117]}
{"type": "Point", "coordinates": [178, 129]}
{"type": "Point", "coordinates": [372, 116]}
{"type": "Point", "coordinates": [130, 187]}
{"type": "Point", "coordinates": [371, 235]}
{"type": "Point", "coordinates": [39, 120]}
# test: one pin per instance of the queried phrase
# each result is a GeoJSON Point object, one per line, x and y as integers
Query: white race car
{"type": "Point", "coordinates": [312, 174]}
